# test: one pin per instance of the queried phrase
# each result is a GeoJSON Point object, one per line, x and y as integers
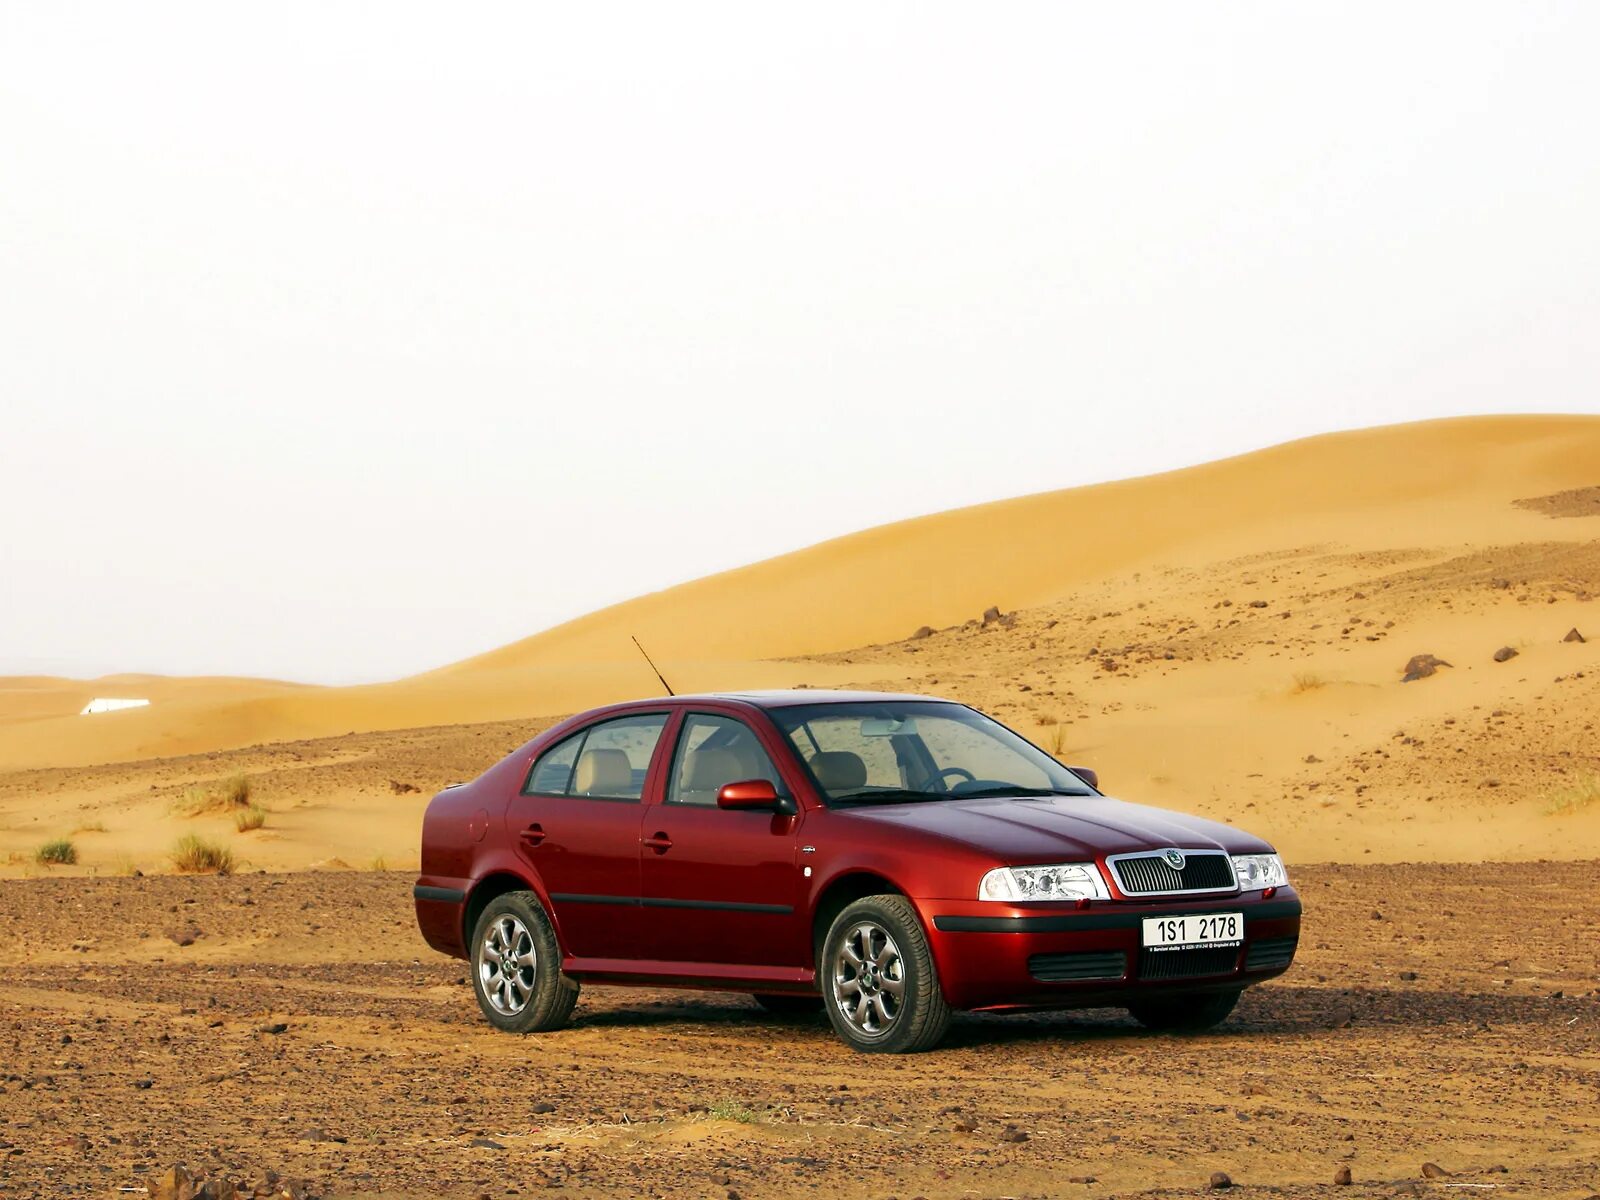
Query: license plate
{"type": "Point", "coordinates": [1193, 931]}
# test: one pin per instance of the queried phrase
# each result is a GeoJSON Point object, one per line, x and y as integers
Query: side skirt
{"type": "Point", "coordinates": [713, 977]}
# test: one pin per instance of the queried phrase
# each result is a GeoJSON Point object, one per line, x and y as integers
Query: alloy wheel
{"type": "Point", "coordinates": [869, 979]}
{"type": "Point", "coordinates": [507, 965]}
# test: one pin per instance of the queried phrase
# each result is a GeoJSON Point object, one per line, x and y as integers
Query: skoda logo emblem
{"type": "Point", "coordinates": [1174, 858]}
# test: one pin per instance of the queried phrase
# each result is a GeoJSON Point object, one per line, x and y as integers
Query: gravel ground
{"type": "Point", "coordinates": [1445, 1015]}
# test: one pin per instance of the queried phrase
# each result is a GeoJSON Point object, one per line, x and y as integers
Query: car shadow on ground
{"type": "Point", "coordinates": [1282, 1011]}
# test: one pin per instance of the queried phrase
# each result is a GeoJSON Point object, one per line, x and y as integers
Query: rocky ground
{"type": "Point", "coordinates": [1441, 1015]}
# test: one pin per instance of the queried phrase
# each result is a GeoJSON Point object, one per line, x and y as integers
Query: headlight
{"type": "Point", "coordinates": [1257, 871]}
{"type": "Point", "coordinates": [1063, 881]}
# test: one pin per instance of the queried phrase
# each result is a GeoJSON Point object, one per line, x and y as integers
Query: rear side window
{"type": "Point", "coordinates": [552, 774]}
{"type": "Point", "coordinates": [608, 761]}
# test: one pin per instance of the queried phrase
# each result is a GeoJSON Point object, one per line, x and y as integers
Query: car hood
{"type": "Point", "coordinates": [1056, 828]}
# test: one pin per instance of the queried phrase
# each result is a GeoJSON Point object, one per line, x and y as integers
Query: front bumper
{"type": "Point", "coordinates": [1010, 956]}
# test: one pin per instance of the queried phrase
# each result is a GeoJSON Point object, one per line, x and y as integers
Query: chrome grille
{"type": "Point", "coordinates": [1152, 875]}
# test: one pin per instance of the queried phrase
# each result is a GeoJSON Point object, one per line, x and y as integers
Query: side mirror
{"type": "Point", "coordinates": [1088, 775]}
{"type": "Point", "coordinates": [747, 794]}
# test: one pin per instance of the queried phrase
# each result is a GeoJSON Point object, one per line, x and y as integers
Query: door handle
{"type": "Point", "coordinates": [533, 834]}
{"type": "Point", "coordinates": [659, 842]}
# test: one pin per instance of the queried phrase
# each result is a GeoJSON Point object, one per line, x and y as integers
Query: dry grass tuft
{"type": "Point", "coordinates": [195, 856]}
{"type": "Point", "coordinates": [1307, 681]}
{"type": "Point", "coordinates": [226, 795]}
{"type": "Point", "coordinates": [246, 819]}
{"type": "Point", "coordinates": [60, 852]}
{"type": "Point", "coordinates": [1573, 798]}
{"type": "Point", "coordinates": [733, 1110]}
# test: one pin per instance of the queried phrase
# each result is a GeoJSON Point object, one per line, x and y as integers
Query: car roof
{"type": "Point", "coordinates": [786, 697]}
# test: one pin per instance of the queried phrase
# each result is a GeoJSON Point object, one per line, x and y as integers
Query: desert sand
{"type": "Point", "coordinates": [296, 1024]}
{"type": "Point", "coordinates": [1228, 638]}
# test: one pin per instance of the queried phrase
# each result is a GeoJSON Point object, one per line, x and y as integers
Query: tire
{"type": "Point", "coordinates": [786, 1005]}
{"type": "Point", "coordinates": [516, 967]}
{"type": "Point", "coordinates": [879, 983]}
{"type": "Point", "coordinates": [1185, 1014]}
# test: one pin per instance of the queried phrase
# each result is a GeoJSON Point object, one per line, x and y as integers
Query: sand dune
{"type": "Point", "coordinates": [1131, 642]}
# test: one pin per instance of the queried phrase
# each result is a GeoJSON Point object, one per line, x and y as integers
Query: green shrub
{"type": "Point", "coordinates": [60, 852]}
{"type": "Point", "coordinates": [1574, 797]}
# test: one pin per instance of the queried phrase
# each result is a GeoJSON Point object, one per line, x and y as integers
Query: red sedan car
{"type": "Point", "coordinates": [889, 859]}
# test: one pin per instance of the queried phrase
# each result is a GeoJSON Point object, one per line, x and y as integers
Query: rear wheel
{"type": "Point", "coordinates": [516, 967]}
{"type": "Point", "coordinates": [1185, 1014]}
{"type": "Point", "coordinates": [879, 982]}
{"type": "Point", "coordinates": [788, 1005]}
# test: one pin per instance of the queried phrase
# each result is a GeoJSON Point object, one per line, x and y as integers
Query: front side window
{"type": "Point", "coordinates": [608, 761]}
{"type": "Point", "coordinates": [891, 752]}
{"type": "Point", "coordinates": [713, 751]}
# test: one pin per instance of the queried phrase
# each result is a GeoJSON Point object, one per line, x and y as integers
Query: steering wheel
{"type": "Point", "coordinates": [927, 784]}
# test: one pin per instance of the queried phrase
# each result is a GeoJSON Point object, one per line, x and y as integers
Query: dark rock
{"type": "Point", "coordinates": [991, 614]}
{"type": "Point", "coordinates": [1342, 1177]}
{"type": "Point", "coordinates": [923, 631]}
{"type": "Point", "coordinates": [1420, 666]}
{"type": "Point", "coordinates": [1574, 636]}
{"type": "Point", "coordinates": [1408, 976]}
{"type": "Point", "coordinates": [1258, 604]}
{"type": "Point", "coordinates": [400, 788]}
{"type": "Point", "coordinates": [1013, 1135]}
{"type": "Point", "coordinates": [272, 1027]}
{"type": "Point", "coordinates": [544, 1106]}
{"type": "Point", "coordinates": [1433, 1171]}
{"type": "Point", "coordinates": [483, 1143]}
{"type": "Point", "coordinates": [185, 935]}
{"type": "Point", "coordinates": [1505, 654]}
{"type": "Point", "coordinates": [1220, 1181]}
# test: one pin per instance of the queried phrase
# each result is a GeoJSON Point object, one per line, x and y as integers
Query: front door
{"type": "Point", "coordinates": [576, 825]}
{"type": "Point", "coordinates": [720, 887]}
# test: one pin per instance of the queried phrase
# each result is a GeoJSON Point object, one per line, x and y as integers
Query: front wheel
{"type": "Point", "coordinates": [879, 982]}
{"type": "Point", "coordinates": [1185, 1014]}
{"type": "Point", "coordinates": [516, 967]}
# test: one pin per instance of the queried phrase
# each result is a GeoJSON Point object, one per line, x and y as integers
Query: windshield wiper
{"type": "Point", "coordinates": [989, 792]}
{"type": "Point", "coordinates": [886, 795]}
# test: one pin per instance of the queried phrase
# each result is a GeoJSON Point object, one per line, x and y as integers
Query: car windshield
{"type": "Point", "coordinates": [891, 752]}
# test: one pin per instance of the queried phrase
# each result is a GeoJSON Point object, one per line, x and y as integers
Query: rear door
{"type": "Point", "coordinates": [576, 824]}
{"type": "Point", "coordinates": [721, 887]}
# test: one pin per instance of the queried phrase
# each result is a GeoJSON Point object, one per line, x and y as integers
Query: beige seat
{"type": "Point", "coordinates": [839, 770]}
{"type": "Point", "coordinates": [705, 771]}
{"type": "Point", "coordinates": [604, 773]}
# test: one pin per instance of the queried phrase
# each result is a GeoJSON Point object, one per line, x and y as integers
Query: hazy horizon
{"type": "Point", "coordinates": [339, 346]}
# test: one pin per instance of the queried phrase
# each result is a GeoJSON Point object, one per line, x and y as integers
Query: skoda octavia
{"type": "Point", "coordinates": [890, 859]}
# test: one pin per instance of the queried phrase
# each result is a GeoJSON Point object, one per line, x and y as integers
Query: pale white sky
{"type": "Point", "coordinates": [342, 341]}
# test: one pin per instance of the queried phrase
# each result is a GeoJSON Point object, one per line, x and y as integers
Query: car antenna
{"type": "Point", "coordinates": [653, 667]}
